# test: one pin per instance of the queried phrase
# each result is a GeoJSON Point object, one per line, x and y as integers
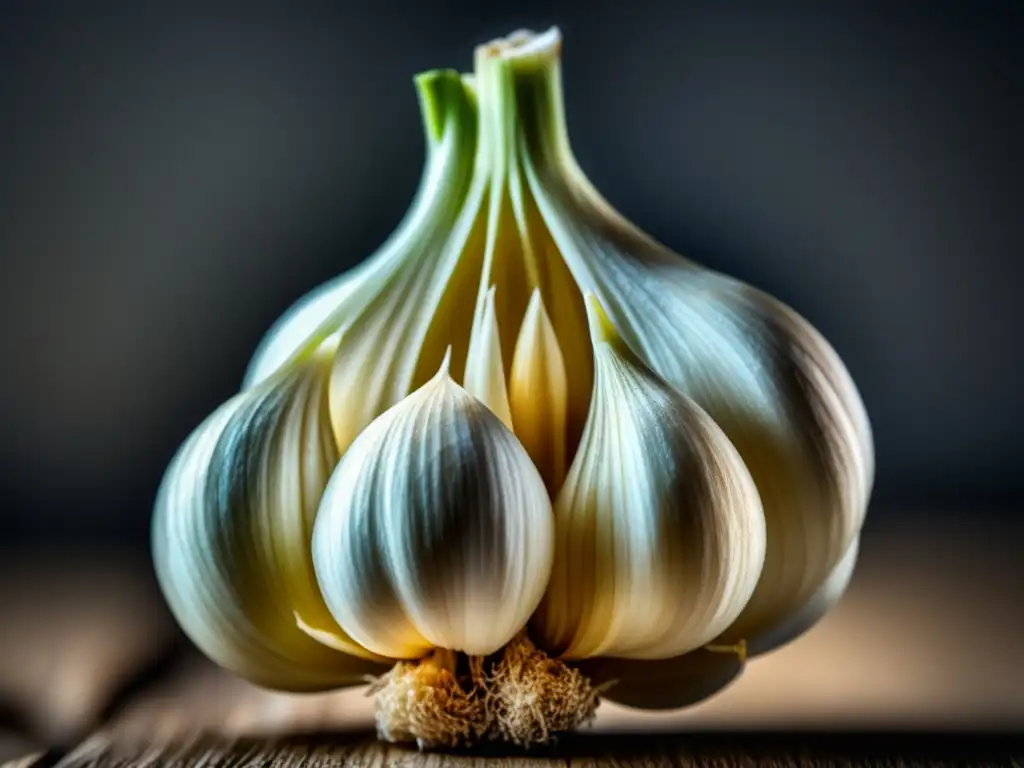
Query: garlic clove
{"type": "Point", "coordinates": [435, 530]}
{"type": "Point", "coordinates": [659, 531]}
{"type": "Point", "coordinates": [231, 534]}
{"type": "Point", "coordinates": [811, 612]}
{"type": "Point", "coordinates": [538, 394]}
{"type": "Point", "coordinates": [485, 369]}
{"type": "Point", "coordinates": [672, 683]}
{"type": "Point", "coordinates": [761, 383]}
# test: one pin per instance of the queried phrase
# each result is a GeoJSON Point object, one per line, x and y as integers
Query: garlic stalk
{"type": "Point", "coordinates": [524, 455]}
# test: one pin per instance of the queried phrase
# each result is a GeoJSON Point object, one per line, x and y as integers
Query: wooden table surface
{"type": "Point", "coordinates": [922, 663]}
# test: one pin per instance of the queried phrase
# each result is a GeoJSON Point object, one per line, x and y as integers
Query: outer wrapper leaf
{"type": "Point", "coordinates": [765, 376]}
{"type": "Point", "coordinates": [231, 534]}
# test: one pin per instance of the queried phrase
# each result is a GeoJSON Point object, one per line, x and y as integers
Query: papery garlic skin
{"type": "Point", "coordinates": [811, 612]}
{"type": "Point", "coordinates": [660, 535]}
{"type": "Point", "coordinates": [804, 440]}
{"type": "Point", "coordinates": [292, 332]}
{"type": "Point", "coordinates": [763, 374]}
{"type": "Point", "coordinates": [671, 683]}
{"type": "Point", "coordinates": [435, 530]}
{"type": "Point", "coordinates": [382, 311]}
{"type": "Point", "coordinates": [231, 534]}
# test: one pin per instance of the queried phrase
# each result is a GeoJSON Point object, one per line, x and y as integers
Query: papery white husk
{"type": "Point", "coordinates": [435, 530]}
{"type": "Point", "coordinates": [231, 534]}
{"type": "Point", "coordinates": [660, 535]}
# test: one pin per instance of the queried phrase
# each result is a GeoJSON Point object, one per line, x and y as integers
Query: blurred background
{"type": "Point", "coordinates": [174, 174]}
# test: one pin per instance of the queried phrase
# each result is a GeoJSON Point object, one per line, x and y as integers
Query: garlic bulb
{"type": "Point", "coordinates": [524, 455]}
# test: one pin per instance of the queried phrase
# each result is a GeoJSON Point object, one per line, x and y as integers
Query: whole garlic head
{"type": "Point", "coordinates": [524, 455]}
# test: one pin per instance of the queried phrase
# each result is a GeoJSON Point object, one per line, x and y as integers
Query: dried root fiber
{"type": "Point", "coordinates": [519, 696]}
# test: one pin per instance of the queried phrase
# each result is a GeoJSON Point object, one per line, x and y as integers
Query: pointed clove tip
{"type": "Point", "coordinates": [601, 327]}
{"type": "Point", "coordinates": [445, 370]}
{"type": "Point", "coordinates": [536, 314]}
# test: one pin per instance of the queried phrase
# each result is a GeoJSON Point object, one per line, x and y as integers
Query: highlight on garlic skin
{"type": "Point", "coordinates": [435, 530]}
{"type": "Point", "coordinates": [521, 459]}
{"type": "Point", "coordinates": [660, 533]}
{"type": "Point", "coordinates": [231, 534]}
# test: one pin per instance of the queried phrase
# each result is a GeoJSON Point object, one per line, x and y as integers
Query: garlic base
{"type": "Point", "coordinates": [519, 695]}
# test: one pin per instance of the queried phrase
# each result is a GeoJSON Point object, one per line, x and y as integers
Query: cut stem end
{"type": "Point", "coordinates": [519, 695]}
{"type": "Point", "coordinates": [523, 45]}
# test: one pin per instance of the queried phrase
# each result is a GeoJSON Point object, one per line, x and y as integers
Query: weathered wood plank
{"type": "Point", "coordinates": [360, 750]}
{"type": "Point", "coordinates": [199, 698]}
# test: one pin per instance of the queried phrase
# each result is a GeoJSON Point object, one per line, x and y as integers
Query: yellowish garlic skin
{"type": "Point", "coordinates": [231, 534]}
{"type": "Point", "coordinates": [660, 536]}
{"type": "Point", "coordinates": [646, 462]}
{"type": "Point", "coordinates": [435, 530]}
{"type": "Point", "coordinates": [539, 394]}
{"type": "Point", "coordinates": [485, 370]}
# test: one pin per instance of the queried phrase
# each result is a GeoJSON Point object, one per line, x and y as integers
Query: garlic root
{"type": "Point", "coordinates": [519, 695]}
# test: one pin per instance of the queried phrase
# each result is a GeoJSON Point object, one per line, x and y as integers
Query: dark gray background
{"type": "Point", "coordinates": [173, 175]}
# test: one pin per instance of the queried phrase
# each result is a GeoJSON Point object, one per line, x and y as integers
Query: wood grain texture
{"type": "Point", "coordinates": [358, 750]}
